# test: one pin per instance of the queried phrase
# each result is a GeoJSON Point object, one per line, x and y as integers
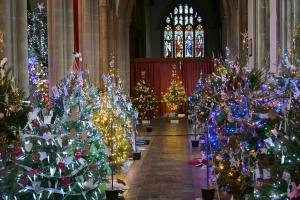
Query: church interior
{"type": "Point", "coordinates": [149, 99]}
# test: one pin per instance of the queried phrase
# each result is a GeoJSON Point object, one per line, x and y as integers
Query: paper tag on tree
{"type": "Point", "coordinates": [257, 173]}
{"type": "Point", "coordinates": [55, 92]}
{"type": "Point", "coordinates": [73, 133]}
{"type": "Point", "coordinates": [286, 176]}
{"type": "Point", "coordinates": [74, 114]}
{"type": "Point", "coordinates": [266, 174]}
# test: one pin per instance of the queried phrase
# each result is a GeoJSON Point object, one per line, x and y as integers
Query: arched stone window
{"type": "Point", "coordinates": [183, 33]}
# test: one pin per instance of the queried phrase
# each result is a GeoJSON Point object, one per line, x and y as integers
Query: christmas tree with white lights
{"type": "Point", "coordinates": [145, 101]}
{"type": "Point", "coordinates": [38, 55]}
{"type": "Point", "coordinates": [175, 95]}
{"type": "Point", "coordinates": [115, 118]}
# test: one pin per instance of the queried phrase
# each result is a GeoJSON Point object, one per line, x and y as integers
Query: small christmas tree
{"type": "Point", "coordinates": [38, 55]}
{"type": "Point", "coordinates": [116, 121]}
{"type": "Point", "coordinates": [13, 112]}
{"type": "Point", "coordinates": [175, 95]}
{"type": "Point", "coordinates": [145, 101]}
{"type": "Point", "coordinates": [114, 118]}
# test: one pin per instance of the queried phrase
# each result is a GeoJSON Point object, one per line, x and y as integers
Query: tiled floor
{"type": "Point", "coordinates": [163, 173]}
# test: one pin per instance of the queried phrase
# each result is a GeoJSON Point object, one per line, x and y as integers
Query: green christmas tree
{"type": "Point", "coordinates": [280, 155]}
{"type": "Point", "coordinates": [13, 113]}
{"type": "Point", "coordinates": [115, 118]}
{"type": "Point", "coordinates": [65, 159]}
{"type": "Point", "coordinates": [145, 101]}
{"type": "Point", "coordinates": [38, 55]}
{"type": "Point", "coordinates": [175, 95]}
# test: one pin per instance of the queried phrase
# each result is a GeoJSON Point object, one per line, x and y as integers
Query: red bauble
{"type": "Point", "coordinates": [61, 165]}
{"type": "Point", "coordinates": [4, 153]}
{"type": "Point", "coordinates": [77, 154]}
{"type": "Point", "coordinates": [34, 171]}
{"type": "Point", "coordinates": [24, 181]}
{"type": "Point", "coordinates": [65, 180]}
{"type": "Point", "coordinates": [35, 123]}
{"type": "Point", "coordinates": [17, 151]}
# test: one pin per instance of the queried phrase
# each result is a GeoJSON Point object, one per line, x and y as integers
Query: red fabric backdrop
{"type": "Point", "coordinates": [158, 74]}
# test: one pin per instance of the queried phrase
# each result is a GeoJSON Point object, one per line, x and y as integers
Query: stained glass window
{"type": "Point", "coordinates": [168, 38]}
{"type": "Point", "coordinates": [189, 42]}
{"type": "Point", "coordinates": [183, 33]}
{"type": "Point", "coordinates": [178, 42]}
{"type": "Point", "coordinates": [199, 41]}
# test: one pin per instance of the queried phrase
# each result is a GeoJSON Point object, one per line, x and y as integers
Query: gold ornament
{"type": "Point", "coordinates": [73, 133]}
{"type": "Point", "coordinates": [84, 136]}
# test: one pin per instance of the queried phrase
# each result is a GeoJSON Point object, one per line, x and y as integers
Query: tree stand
{"type": "Point", "coordinates": [136, 155]}
{"type": "Point", "coordinates": [112, 194]}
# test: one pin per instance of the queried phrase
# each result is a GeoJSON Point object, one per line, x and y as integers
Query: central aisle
{"type": "Point", "coordinates": [163, 173]}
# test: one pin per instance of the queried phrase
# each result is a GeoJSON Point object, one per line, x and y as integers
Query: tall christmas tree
{"type": "Point", "coordinates": [114, 118]}
{"type": "Point", "coordinates": [145, 101]}
{"type": "Point", "coordinates": [38, 55]}
{"type": "Point", "coordinates": [175, 95]}
{"type": "Point", "coordinates": [280, 154]}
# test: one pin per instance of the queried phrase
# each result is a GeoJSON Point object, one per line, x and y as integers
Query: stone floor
{"type": "Point", "coordinates": [163, 172]}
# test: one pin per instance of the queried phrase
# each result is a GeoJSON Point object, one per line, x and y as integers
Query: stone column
{"type": "Point", "coordinates": [13, 24]}
{"type": "Point", "coordinates": [273, 35]}
{"type": "Point", "coordinates": [251, 33]}
{"type": "Point", "coordinates": [60, 38]}
{"type": "Point", "coordinates": [123, 19]}
{"type": "Point", "coordinates": [89, 38]}
{"type": "Point", "coordinates": [290, 22]}
{"type": "Point", "coordinates": [123, 58]}
{"type": "Point", "coordinates": [283, 25]}
{"type": "Point", "coordinates": [297, 22]}
{"type": "Point", "coordinates": [103, 38]}
{"type": "Point", "coordinates": [262, 33]}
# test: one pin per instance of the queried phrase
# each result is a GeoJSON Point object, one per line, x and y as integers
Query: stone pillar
{"type": "Point", "coordinates": [123, 52]}
{"type": "Point", "coordinates": [283, 25]}
{"type": "Point", "coordinates": [262, 33]}
{"type": "Point", "coordinates": [290, 22]}
{"type": "Point", "coordinates": [103, 38]}
{"type": "Point", "coordinates": [122, 49]}
{"type": "Point", "coordinates": [89, 38]}
{"type": "Point", "coordinates": [251, 33]}
{"type": "Point", "coordinates": [297, 22]}
{"type": "Point", "coordinates": [148, 29]}
{"type": "Point", "coordinates": [13, 24]}
{"type": "Point", "coordinates": [273, 35]}
{"type": "Point", "coordinates": [60, 38]}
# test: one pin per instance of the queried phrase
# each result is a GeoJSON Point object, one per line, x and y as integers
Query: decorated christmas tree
{"type": "Point", "coordinates": [38, 55]}
{"type": "Point", "coordinates": [224, 107]}
{"type": "Point", "coordinates": [279, 157]}
{"type": "Point", "coordinates": [12, 111]}
{"type": "Point", "coordinates": [145, 101]}
{"type": "Point", "coordinates": [175, 95]}
{"type": "Point", "coordinates": [63, 158]}
{"type": "Point", "coordinates": [115, 118]}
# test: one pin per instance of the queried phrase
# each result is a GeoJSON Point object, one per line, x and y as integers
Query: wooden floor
{"type": "Point", "coordinates": [163, 172]}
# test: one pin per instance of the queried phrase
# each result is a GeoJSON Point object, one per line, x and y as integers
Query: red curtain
{"type": "Point", "coordinates": [158, 74]}
{"type": "Point", "coordinates": [76, 29]}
